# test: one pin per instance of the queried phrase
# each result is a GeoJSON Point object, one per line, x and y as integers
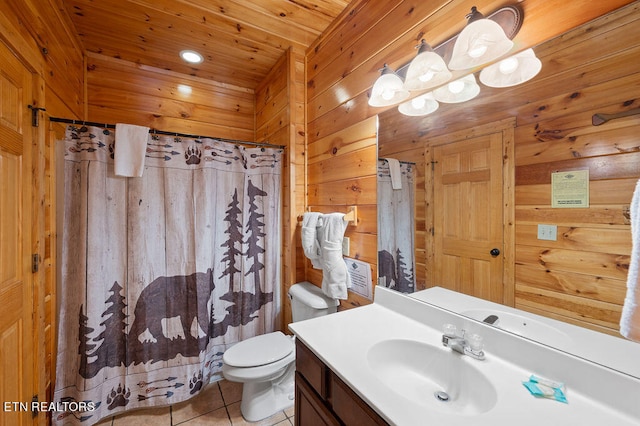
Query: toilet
{"type": "Point", "coordinates": [265, 364]}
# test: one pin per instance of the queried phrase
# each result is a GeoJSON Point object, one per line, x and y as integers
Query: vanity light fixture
{"type": "Point", "coordinates": [480, 42]}
{"type": "Point", "coordinates": [388, 89]}
{"type": "Point", "coordinates": [422, 105]}
{"type": "Point", "coordinates": [457, 91]}
{"type": "Point", "coordinates": [512, 71]}
{"type": "Point", "coordinates": [191, 56]}
{"type": "Point", "coordinates": [479, 46]}
{"type": "Point", "coordinates": [426, 70]}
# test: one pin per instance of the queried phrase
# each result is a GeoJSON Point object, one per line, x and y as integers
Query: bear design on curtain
{"type": "Point", "coordinates": [161, 274]}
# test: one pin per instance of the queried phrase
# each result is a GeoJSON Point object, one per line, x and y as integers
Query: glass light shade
{"type": "Point", "coordinates": [457, 91]}
{"type": "Point", "coordinates": [512, 71]}
{"type": "Point", "coordinates": [479, 42]}
{"type": "Point", "coordinates": [422, 105]}
{"type": "Point", "coordinates": [388, 89]}
{"type": "Point", "coordinates": [426, 70]}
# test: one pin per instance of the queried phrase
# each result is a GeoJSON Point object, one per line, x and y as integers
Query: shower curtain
{"type": "Point", "coordinates": [396, 264]}
{"type": "Point", "coordinates": [162, 273]}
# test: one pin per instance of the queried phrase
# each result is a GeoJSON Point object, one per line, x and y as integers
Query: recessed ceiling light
{"type": "Point", "coordinates": [184, 89]}
{"type": "Point", "coordinates": [191, 56]}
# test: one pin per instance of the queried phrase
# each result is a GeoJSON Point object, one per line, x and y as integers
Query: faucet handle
{"type": "Point", "coordinates": [450, 330]}
{"type": "Point", "coordinates": [476, 342]}
{"type": "Point", "coordinates": [474, 346]}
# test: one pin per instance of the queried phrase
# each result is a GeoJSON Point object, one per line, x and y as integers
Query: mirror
{"type": "Point", "coordinates": [541, 127]}
{"type": "Point", "coordinates": [396, 227]}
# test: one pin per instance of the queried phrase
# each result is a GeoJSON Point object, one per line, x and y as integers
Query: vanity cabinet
{"type": "Point", "coordinates": [322, 398]}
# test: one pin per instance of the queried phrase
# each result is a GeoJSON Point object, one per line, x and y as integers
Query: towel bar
{"type": "Point", "coordinates": [351, 216]}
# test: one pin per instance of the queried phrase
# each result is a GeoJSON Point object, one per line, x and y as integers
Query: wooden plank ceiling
{"type": "Point", "coordinates": [240, 40]}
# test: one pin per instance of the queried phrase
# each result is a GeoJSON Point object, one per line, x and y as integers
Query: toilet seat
{"type": "Point", "coordinates": [259, 350]}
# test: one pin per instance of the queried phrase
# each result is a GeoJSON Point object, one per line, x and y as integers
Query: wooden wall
{"type": "Point", "coordinates": [280, 121]}
{"type": "Point", "coordinates": [580, 278]}
{"type": "Point", "coordinates": [342, 66]}
{"type": "Point", "coordinates": [124, 92]}
{"type": "Point", "coordinates": [41, 36]}
{"type": "Point", "coordinates": [341, 153]}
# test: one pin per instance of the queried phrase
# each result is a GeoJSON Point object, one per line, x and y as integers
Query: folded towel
{"type": "Point", "coordinates": [310, 244]}
{"type": "Point", "coordinates": [630, 319]}
{"type": "Point", "coordinates": [130, 149]}
{"type": "Point", "coordinates": [395, 173]}
{"type": "Point", "coordinates": [335, 277]}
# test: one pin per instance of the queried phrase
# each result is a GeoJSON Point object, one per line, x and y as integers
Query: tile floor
{"type": "Point", "coordinates": [217, 405]}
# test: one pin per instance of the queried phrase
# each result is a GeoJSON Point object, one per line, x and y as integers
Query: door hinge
{"type": "Point", "coordinates": [35, 262]}
{"type": "Point", "coordinates": [34, 114]}
{"type": "Point", "coordinates": [34, 403]}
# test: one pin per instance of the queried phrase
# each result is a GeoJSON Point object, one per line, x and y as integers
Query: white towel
{"type": "Point", "coordinates": [395, 173]}
{"type": "Point", "coordinates": [630, 319]}
{"type": "Point", "coordinates": [130, 149]}
{"type": "Point", "coordinates": [310, 244]}
{"type": "Point", "coordinates": [335, 276]}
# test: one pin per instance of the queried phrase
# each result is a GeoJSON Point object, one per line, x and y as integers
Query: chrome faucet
{"type": "Point", "coordinates": [471, 346]}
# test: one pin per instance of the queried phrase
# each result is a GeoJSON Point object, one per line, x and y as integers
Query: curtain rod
{"type": "Point", "coordinates": [161, 132]}
{"type": "Point", "coordinates": [401, 161]}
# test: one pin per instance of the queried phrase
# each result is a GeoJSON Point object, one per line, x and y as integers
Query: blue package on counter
{"type": "Point", "coordinates": [543, 388]}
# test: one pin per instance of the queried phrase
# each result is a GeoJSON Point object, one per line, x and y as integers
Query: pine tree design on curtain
{"type": "Point", "coordinates": [233, 252]}
{"type": "Point", "coordinates": [84, 347]}
{"type": "Point", "coordinates": [248, 302]}
{"type": "Point", "coordinates": [255, 228]}
{"type": "Point", "coordinates": [404, 274]}
{"type": "Point", "coordinates": [113, 347]}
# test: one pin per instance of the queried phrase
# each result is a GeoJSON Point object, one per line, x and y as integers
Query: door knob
{"type": "Point", "coordinates": [494, 252]}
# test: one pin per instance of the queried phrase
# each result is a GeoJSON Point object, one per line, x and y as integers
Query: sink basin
{"type": "Point", "coordinates": [432, 376]}
{"type": "Point", "coordinates": [523, 326]}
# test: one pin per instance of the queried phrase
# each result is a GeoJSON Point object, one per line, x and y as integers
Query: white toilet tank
{"type": "Point", "coordinates": [308, 301]}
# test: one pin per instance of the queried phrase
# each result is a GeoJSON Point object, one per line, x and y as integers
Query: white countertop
{"type": "Point", "coordinates": [342, 341]}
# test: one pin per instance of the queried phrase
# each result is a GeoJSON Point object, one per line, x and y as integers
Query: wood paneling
{"type": "Point", "coordinates": [340, 92]}
{"type": "Point", "coordinates": [241, 41]}
{"type": "Point", "coordinates": [342, 172]}
{"type": "Point", "coordinates": [43, 37]}
{"type": "Point", "coordinates": [580, 278]}
{"type": "Point", "coordinates": [279, 120]}
{"type": "Point", "coordinates": [120, 91]}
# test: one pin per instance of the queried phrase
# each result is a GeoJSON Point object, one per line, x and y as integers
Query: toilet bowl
{"type": "Point", "coordinates": [265, 364]}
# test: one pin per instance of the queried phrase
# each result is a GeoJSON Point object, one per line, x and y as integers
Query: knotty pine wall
{"type": "Point", "coordinates": [124, 92]}
{"type": "Point", "coordinates": [341, 68]}
{"type": "Point", "coordinates": [280, 121]}
{"type": "Point", "coordinates": [581, 277]}
{"type": "Point", "coordinates": [42, 37]}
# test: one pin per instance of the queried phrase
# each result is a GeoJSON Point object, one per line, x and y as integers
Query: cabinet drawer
{"type": "Point", "coordinates": [310, 409]}
{"type": "Point", "coordinates": [312, 368]}
{"type": "Point", "coordinates": [349, 407]}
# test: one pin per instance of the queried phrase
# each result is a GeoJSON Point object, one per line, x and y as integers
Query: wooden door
{"type": "Point", "coordinates": [468, 217]}
{"type": "Point", "coordinates": [16, 293]}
